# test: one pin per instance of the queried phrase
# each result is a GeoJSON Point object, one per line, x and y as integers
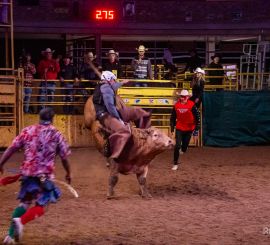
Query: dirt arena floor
{"type": "Point", "coordinates": [218, 196]}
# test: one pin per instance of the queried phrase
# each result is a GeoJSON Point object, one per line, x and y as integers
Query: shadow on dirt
{"type": "Point", "coordinates": [192, 189]}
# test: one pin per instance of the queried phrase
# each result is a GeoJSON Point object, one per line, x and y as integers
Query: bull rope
{"type": "Point", "coordinates": [69, 187]}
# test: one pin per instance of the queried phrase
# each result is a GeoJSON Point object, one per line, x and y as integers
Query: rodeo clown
{"type": "Point", "coordinates": [41, 143]}
{"type": "Point", "coordinates": [185, 117]}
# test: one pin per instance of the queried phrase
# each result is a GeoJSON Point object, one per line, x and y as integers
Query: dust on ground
{"type": "Point", "coordinates": [218, 196]}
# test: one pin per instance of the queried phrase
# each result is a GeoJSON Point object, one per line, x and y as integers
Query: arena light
{"type": "Point", "coordinates": [104, 14]}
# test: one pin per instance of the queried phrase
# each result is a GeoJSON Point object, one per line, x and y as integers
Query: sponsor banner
{"type": "Point", "coordinates": [149, 102]}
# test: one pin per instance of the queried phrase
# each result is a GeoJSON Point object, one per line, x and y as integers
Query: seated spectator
{"type": "Point", "coordinates": [197, 86]}
{"type": "Point", "coordinates": [142, 67]}
{"type": "Point", "coordinates": [215, 64]}
{"type": "Point", "coordinates": [68, 72]}
{"type": "Point", "coordinates": [48, 69]}
{"type": "Point", "coordinates": [113, 64]}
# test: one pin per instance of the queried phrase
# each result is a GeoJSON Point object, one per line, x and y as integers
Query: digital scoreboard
{"type": "Point", "coordinates": [104, 14]}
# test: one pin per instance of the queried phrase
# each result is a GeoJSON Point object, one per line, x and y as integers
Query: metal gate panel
{"type": "Point", "coordinates": [71, 126]}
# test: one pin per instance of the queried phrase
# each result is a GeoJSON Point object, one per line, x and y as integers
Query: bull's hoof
{"type": "Point", "coordinates": [110, 195]}
{"type": "Point", "coordinates": [147, 196]}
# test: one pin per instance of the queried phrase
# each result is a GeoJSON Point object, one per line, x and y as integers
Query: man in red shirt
{"type": "Point", "coordinates": [185, 118]}
{"type": "Point", "coordinates": [48, 69]}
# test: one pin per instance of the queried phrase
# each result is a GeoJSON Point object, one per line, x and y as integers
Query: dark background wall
{"type": "Point", "coordinates": [236, 118]}
{"type": "Point", "coordinates": [158, 11]}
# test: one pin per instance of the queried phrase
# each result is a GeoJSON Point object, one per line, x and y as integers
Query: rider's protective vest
{"type": "Point", "coordinates": [98, 101]}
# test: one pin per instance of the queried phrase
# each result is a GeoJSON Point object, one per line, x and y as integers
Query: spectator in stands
{"type": "Point", "coordinates": [193, 61]}
{"type": "Point", "coordinates": [29, 71]}
{"type": "Point", "coordinates": [113, 64]}
{"type": "Point", "coordinates": [86, 72]}
{"type": "Point", "coordinates": [142, 67]}
{"type": "Point", "coordinates": [169, 66]}
{"type": "Point", "coordinates": [197, 86]}
{"type": "Point", "coordinates": [68, 72]}
{"type": "Point", "coordinates": [59, 59]}
{"type": "Point", "coordinates": [48, 69]}
{"type": "Point", "coordinates": [217, 72]}
{"type": "Point", "coordinates": [167, 55]}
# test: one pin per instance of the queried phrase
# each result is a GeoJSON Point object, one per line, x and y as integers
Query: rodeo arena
{"type": "Point", "coordinates": [128, 122]}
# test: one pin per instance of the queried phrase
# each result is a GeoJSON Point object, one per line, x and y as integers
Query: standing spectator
{"type": "Point", "coordinates": [142, 67]}
{"type": "Point", "coordinates": [48, 69]}
{"type": "Point", "coordinates": [167, 55]}
{"type": "Point", "coordinates": [185, 118]}
{"type": "Point", "coordinates": [68, 72]}
{"type": "Point", "coordinates": [193, 61]}
{"type": "Point", "coordinates": [217, 72]}
{"type": "Point", "coordinates": [197, 86]}
{"type": "Point", "coordinates": [86, 72]}
{"type": "Point", "coordinates": [113, 64]}
{"type": "Point", "coordinates": [29, 71]}
{"type": "Point", "coordinates": [41, 143]}
{"type": "Point", "coordinates": [59, 59]}
{"type": "Point", "coordinates": [169, 66]}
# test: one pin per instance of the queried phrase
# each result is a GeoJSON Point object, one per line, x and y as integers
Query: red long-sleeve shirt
{"type": "Point", "coordinates": [52, 66]}
{"type": "Point", "coordinates": [185, 117]}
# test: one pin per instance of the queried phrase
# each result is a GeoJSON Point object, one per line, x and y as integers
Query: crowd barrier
{"type": "Point", "coordinates": [158, 100]}
{"type": "Point", "coordinates": [159, 97]}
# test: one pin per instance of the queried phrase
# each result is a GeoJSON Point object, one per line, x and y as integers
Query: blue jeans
{"type": "Point", "coordinates": [27, 97]}
{"type": "Point", "coordinates": [46, 95]}
{"type": "Point", "coordinates": [68, 109]}
{"type": "Point", "coordinates": [141, 85]}
{"type": "Point", "coordinates": [182, 139]}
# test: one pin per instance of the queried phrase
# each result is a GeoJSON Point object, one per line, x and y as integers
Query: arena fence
{"type": "Point", "coordinates": [68, 103]}
{"type": "Point", "coordinates": [8, 107]}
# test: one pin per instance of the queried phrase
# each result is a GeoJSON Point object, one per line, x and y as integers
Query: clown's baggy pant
{"type": "Point", "coordinates": [40, 190]}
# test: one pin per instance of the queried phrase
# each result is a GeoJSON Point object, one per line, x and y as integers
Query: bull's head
{"type": "Point", "coordinates": [159, 140]}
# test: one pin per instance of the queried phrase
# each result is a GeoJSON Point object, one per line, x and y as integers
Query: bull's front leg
{"type": "Point", "coordinates": [142, 182]}
{"type": "Point", "coordinates": [113, 178]}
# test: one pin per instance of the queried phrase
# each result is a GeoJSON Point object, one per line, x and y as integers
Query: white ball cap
{"type": "Point", "coordinates": [107, 76]}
